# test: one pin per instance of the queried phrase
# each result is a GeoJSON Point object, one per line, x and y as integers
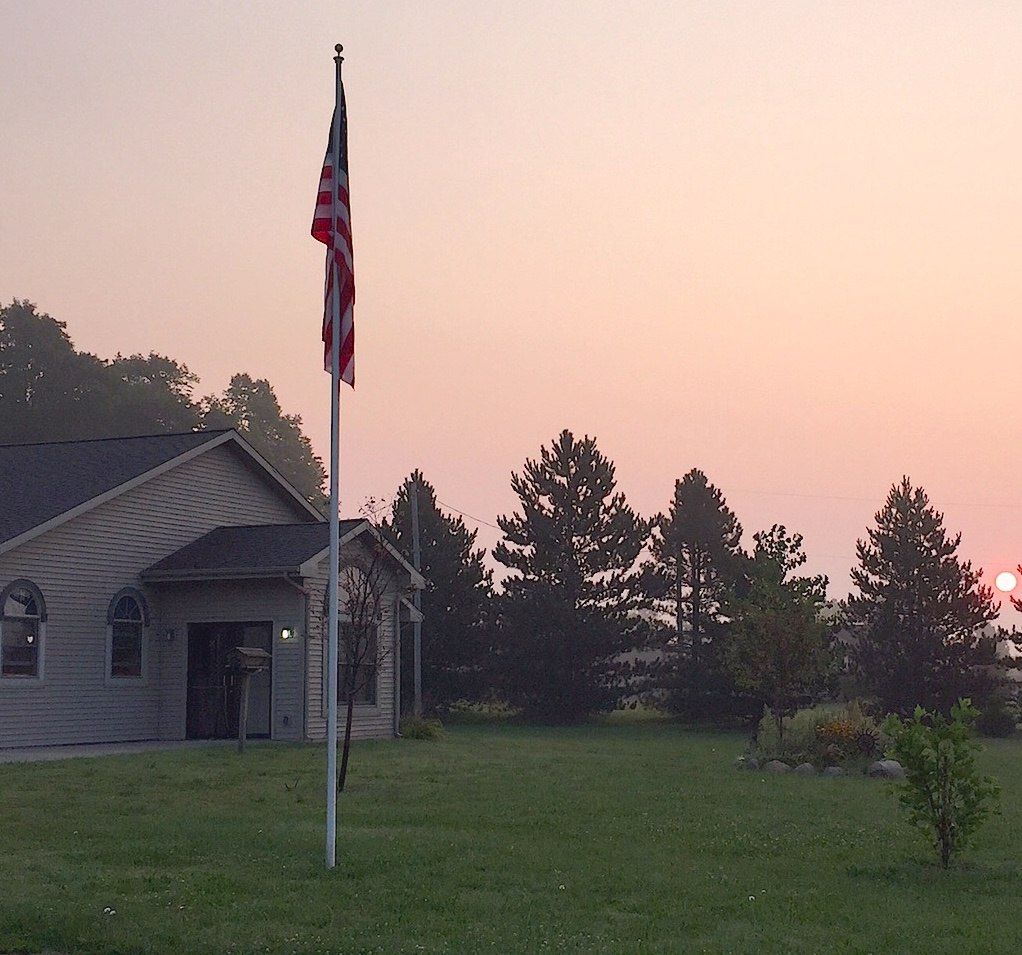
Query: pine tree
{"type": "Point", "coordinates": [571, 605]}
{"type": "Point", "coordinates": [918, 617]}
{"type": "Point", "coordinates": [455, 601]}
{"type": "Point", "coordinates": [696, 560]}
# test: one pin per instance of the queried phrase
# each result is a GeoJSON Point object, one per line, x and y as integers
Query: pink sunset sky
{"type": "Point", "coordinates": [778, 241]}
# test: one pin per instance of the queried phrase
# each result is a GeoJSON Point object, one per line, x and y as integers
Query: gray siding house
{"type": "Point", "coordinates": [131, 567]}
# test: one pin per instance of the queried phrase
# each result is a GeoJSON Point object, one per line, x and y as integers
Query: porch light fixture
{"type": "Point", "coordinates": [287, 633]}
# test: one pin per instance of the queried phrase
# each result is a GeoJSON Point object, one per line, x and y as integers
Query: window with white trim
{"type": "Point", "coordinates": [127, 623]}
{"type": "Point", "coordinates": [21, 630]}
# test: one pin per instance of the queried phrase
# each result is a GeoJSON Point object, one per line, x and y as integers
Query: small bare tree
{"type": "Point", "coordinates": [363, 580]}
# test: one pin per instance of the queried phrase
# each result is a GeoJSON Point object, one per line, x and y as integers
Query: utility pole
{"type": "Point", "coordinates": [416, 599]}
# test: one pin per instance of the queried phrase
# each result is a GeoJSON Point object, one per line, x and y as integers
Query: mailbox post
{"type": "Point", "coordinates": [247, 661]}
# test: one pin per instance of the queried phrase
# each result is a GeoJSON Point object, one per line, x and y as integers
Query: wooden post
{"type": "Point", "coordinates": [243, 712]}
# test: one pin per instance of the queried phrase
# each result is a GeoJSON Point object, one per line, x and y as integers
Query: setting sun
{"type": "Point", "coordinates": [1006, 581]}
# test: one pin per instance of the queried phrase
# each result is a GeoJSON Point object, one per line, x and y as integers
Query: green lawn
{"type": "Point", "coordinates": [501, 839]}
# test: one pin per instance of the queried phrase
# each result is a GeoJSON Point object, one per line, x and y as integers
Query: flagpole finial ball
{"type": "Point", "coordinates": [338, 48]}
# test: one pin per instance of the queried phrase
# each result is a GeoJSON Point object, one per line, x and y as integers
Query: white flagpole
{"type": "Point", "coordinates": [335, 442]}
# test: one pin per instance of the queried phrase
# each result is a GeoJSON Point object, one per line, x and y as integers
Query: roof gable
{"type": "Point", "coordinates": [43, 485]}
{"type": "Point", "coordinates": [265, 549]}
{"type": "Point", "coordinates": [280, 548]}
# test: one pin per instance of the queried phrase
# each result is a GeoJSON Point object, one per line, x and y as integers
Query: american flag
{"type": "Point", "coordinates": [331, 225]}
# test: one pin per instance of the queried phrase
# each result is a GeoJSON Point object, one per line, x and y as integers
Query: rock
{"type": "Point", "coordinates": [740, 762]}
{"type": "Point", "coordinates": [886, 769]}
{"type": "Point", "coordinates": [805, 769]}
{"type": "Point", "coordinates": [752, 763]}
{"type": "Point", "coordinates": [776, 766]}
{"type": "Point", "coordinates": [833, 771]}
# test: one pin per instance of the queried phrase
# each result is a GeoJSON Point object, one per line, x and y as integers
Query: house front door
{"type": "Point", "coordinates": [214, 689]}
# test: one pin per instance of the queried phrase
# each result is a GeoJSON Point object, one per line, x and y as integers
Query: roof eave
{"type": "Point", "coordinates": [418, 582]}
{"type": "Point", "coordinates": [217, 573]}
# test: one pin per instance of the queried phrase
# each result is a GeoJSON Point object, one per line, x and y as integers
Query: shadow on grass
{"type": "Point", "coordinates": [977, 880]}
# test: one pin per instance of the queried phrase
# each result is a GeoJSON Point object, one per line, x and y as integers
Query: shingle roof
{"type": "Point", "coordinates": [262, 547]}
{"type": "Point", "coordinates": [39, 482]}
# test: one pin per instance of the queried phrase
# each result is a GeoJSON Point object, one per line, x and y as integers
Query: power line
{"type": "Point", "coordinates": [471, 517]}
{"type": "Point", "coordinates": [868, 500]}
{"type": "Point", "coordinates": [789, 494]}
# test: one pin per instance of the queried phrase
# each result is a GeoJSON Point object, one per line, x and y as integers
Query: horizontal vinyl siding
{"type": "Point", "coordinates": [80, 565]}
{"type": "Point", "coordinates": [368, 722]}
{"type": "Point", "coordinates": [248, 601]}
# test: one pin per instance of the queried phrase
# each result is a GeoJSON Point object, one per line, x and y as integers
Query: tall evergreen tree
{"type": "Point", "coordinates": [919, 613]}
{"type": "Point", "coordinates": [696, 553]}
{"type": "Point", "coordinates": [455, 601]}
{"type": "Point", "coordinates": [571, 605]}
{"type": "Point", "coordinates": [695, 562]}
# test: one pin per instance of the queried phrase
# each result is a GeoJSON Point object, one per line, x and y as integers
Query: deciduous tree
{"type": "Point", "coordinates": [250, 405]}
{"type": "Point", "coordinates": [777, 648]}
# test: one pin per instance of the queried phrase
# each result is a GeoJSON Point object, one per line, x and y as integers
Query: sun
{"type": "Point", "coordinates": [1006, 581]}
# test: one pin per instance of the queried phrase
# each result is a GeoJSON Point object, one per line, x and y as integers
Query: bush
{"type": "Point", "coordinates": [945, 797]}
{"type": "Point", "coordinates": [488, 711]}
{"type": "Point", "coordinates": [416, 727]}
{"type": "Point", "coordinates": [823, 735]}
{"type": "Point", "coordinates": [996, 719]}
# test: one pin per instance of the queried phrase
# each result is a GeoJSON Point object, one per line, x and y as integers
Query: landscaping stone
{"type": "Point", "coordinates": [886, 769]}
{"type": "Point", "coordinates": [752, 763]}
{"type": "Point", "coordinates": [833, 771]}
{"type": "Point", "coordinates": [776, 766]}
{"type": "Point", "coordinates": [805, 769]}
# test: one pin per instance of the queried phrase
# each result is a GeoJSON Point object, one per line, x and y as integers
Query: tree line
{"type": "Point", "coordinates": [601, 606]}
{"type": "Point", "coordinates": [51, 391]}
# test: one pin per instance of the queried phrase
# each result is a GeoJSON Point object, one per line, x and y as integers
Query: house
{"type": "Point", "coordinates": [131, 567]}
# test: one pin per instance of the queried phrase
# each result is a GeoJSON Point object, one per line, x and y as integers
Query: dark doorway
{"type": "Point", "coordinates": [214, 690]}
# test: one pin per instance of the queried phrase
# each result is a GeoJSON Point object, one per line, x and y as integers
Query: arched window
{"type": "Point", "coordinates": [21, 630]}
{"type": "Point", "coordinates": [127, 619]}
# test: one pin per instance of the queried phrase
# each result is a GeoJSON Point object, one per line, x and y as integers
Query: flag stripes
{"type": "Point", "coordinates": [331, 225]}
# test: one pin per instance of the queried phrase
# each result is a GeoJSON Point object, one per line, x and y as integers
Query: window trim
{"type": "Point", "coordinates": [23, 583]}
{"type": "Point", "coordinates": [362, 706]}
{"type": "Point", "coordinates": [359, 709]}
{"type": "Point", "coordinates": [108, 676]}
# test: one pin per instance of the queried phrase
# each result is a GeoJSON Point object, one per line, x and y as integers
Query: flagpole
{"type": "Point", "coordinates": [335, 537]}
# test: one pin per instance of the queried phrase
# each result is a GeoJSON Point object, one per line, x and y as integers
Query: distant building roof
{"type": "Point", "coordinates": [39, 482]}
{"type": "Point", "coordinates": [260, 548]}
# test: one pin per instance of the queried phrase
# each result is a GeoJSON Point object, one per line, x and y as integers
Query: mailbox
{"type": "Point", "coordinates": [250, 660]}
{"type": "Point", "coordinates": [247, 661]}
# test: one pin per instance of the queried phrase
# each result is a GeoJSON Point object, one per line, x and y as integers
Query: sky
{"type": "Point", "coordinates": [779, 242]}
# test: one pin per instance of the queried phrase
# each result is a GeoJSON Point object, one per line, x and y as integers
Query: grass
{"type": "Point", "coordinates": [613, 838]}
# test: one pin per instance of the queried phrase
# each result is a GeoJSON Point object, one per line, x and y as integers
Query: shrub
{"type": "Point", "coordinates": [996, 719]}
{"type": "Point", "coordinates": [416, 727]}
{"type": "Point", "coordinates": [822, 735]}
{"type": "Point", "coordinates": [945, 797]}
{"type": "Point", "coordinates": [487, 711]}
